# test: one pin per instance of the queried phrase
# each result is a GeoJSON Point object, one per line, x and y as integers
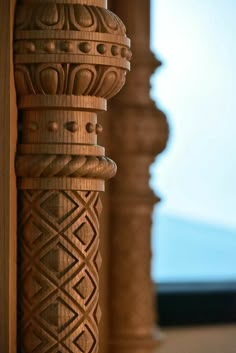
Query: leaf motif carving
{"type": "Point", "coordinates": [119, 84]}
{"type": "Point", "coordinates": [82, 79]}
{"type": "Point", "coordinates": [109, 83]}
{"type": "Point", "coordinates": [50, 16]}
{"type": "Point", "coordinates": [50, 79]}
{"type": "Point", "coordinates": [23, 16]}
{"type": "Point", "coordinates": [109, 22]}
{"type": "Point", "coordinates": [82, 18]}
{"type": "Point", "coordinates": [23, 81]}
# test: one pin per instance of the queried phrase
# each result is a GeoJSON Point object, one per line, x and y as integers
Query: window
{"type": "Point", "coordinates": [194, 232]}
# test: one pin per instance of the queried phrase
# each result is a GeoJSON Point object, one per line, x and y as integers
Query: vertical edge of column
{"type": "Point", "coordinates": [103, 139]}
{"type": "Point", "coordinates": [8, 203]}
{"type": "Point", "coordinates": [13, 199]}
{"type": "Point", "coordinates": [104, 244]}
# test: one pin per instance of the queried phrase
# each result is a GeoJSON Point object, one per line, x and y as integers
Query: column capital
{"type": "Point", "coordinates": [70, 58]}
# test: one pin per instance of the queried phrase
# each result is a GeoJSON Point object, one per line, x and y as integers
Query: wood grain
{"type": "Point", "coordinates": [70, 57]}
{"type": "Point", "coordinates": [8, 119]}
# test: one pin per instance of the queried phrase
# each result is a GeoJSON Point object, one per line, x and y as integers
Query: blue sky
{"type": "Point", "coordinates": [187, 251]}
{"type": "Point", "coordinates": [196, 176]}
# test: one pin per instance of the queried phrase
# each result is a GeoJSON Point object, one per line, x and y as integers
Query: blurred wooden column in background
{"type": "Point", "coordinates": [139, 133]}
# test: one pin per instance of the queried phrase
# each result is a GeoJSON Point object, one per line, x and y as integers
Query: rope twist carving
{"type": "Point", "coordinates": [35, 166]}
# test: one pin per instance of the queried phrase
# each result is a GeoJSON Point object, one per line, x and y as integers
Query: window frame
{"type": "Point", "coordinates": [198, 303]}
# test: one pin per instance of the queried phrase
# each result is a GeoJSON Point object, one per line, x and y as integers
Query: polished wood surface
{"type": "Point", "coordinates": [8, 119]}
{"type": "Point", "coordinates": [70, 57]}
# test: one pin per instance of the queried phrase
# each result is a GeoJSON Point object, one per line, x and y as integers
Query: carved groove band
{"type": "Point", "coordinates": [56, 102]}
{"type": "Point", "coordinates": [35, 166]}
{"type": "Point", "coordinates": [78, 184]}
{"type": "Point", "coordinates": [100, 3]}
{"type": "Point", "coordinates": [72, 35]}
{"type": "Point", "coordinates": [71, 58]}
{"type": "Point", "coordinates": [75, 150]}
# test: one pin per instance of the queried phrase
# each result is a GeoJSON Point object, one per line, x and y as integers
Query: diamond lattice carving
{"type": "Point", "coordinates": [86, 340]}
{"type": "Point", "coordinates": [32, 232]}
{"type": "Point", "coordinates": [58, 284]}
{"type": "Point", "coordinates": [97, 314]}
{"type": "Point", "coordinates": [85, 233]}
{"type": "Point", "coordinates": [35, 340]}
{"type": "Point", "coordinates": [98, 206]}
{"type": "Point", "coordinates": [85, 287]}
{"type": "Point", "coordinates": [32, 286]}
{"type": "Point", "coordinates": [59, 314]}
{"type": "Point", "coordinates": [59, 260]}
{"type": "Point", "coordinates": [32, 341]}
{"type": "Point", "coordinates": [55, 206]}
{"type": "Point", "coordinates": [98, 260]}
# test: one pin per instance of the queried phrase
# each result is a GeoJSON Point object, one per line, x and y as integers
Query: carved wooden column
{"type": "Point", "coordinates": [140, 133]}
{"type": "Point", "coordinates": [69, 59]}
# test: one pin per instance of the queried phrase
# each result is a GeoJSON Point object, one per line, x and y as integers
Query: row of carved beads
{"type": "Point", "coordinates": [71, 46]}
{"type": "Point", "coordinates": [71, 126]}
{"type": "Point", "coordinates": [76, 17]}
{"type": "Point", "coordinates": [65, 166]}
{"type": "Point", "coordinates": [65, 79]}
